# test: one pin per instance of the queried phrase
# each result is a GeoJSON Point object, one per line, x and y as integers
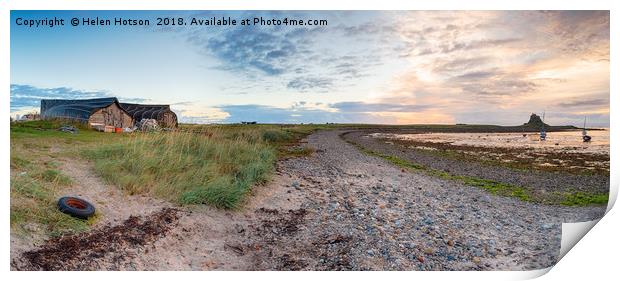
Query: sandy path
{"type": "Point", "coordinates": [339, 209]}
{"type": "Point", "coordinates": [112, 205]}
{"type": "Point", "coordinates": [203, 238]}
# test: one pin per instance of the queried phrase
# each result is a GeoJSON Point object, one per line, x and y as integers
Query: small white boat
{"type": "Point", "coordinates": [543, 133]}
{"type": "Point", "coordinates": [584, 133]}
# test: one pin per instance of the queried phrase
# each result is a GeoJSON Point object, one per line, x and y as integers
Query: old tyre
{"type": "Point", "coordinates": [76, 207]}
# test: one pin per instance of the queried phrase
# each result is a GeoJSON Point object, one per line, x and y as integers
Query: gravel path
{"type": "Point", "coordinates": [362, 213]}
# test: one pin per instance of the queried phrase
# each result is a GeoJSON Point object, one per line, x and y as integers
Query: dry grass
{"type": "Point", "coordinates": [187, 167]}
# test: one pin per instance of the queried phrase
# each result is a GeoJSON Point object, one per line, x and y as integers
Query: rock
{"type": "Point", "coordinates": [546, 226]}
{"type": "Point", "coordinates": [428, 221]}
{"type": "Point", "coordinates": [69, 129]}
{"type": "Point", "coordinates": [239, 228]}
{"type": "Point", "coordinates": [32, 227]}
{"type": "Point", "coordinates": [397, 223]}
{"type": "Point", "coordinates": [421, 258]}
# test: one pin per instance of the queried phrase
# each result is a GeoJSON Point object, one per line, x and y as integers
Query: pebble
{"type": "Point", "coordinates": [443, 225]}
{"type": "Point", "coordinates": [546, 226]}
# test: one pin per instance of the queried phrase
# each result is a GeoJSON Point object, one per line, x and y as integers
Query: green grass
{"type": "Point", "coordinates": [36, 180]}
{"type": "Point", "coordinates": [54, 176]}
{"type": "Point", "coordinates": [275, 136]}
{"type": "Point", "coordinates": [186, 167]}
{"type": "Point", "coordinates": [34, 191]}
{"type": "Point", "coordinates": [198, 164]}
{"type": "Point", "coordinates": [295, 151]}
{"type": "Point", "coordinates": [584, 199]}
{"type": "Point", "coordinates": [493, 187]}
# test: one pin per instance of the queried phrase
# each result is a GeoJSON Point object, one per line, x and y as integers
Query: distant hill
{"type": "Point", "coordinates": [535, 121]}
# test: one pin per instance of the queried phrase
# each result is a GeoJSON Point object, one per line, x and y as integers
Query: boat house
{"type": "Point", "coordinates": [97, 113]}
{"type": "Point", "coordinates": [165, 117]}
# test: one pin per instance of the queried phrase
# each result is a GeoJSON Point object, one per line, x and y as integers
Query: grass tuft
{"type": "Point", "coordinates": [33, 202]}
{"type": "Point", "coordinates": [55, 176]}
{"type": "Point", "coordinates": [187, 167]}
{"type": "Point", "coordinates": [274, 136]}
{"type": "Point", "coordinates": [584, 199]}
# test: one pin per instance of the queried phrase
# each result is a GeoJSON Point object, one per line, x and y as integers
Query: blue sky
{"type": "Point", "coordinates": [406, 67]}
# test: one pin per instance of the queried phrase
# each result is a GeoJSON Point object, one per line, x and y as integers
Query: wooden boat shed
{"type": "Point", "coordinates": [165, 117]}
{"type": "Point", "coordinates": [97, 113]}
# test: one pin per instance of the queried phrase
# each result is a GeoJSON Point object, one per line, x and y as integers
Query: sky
{"type": "Point", "coordinates": [381, 67]}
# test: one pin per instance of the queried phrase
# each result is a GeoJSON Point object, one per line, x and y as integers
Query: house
{"type": "Point", "coordinates": [97, 113]}
{"type": "Point", "coordinates": [30, 117]}
{"type": "Point", "coordinates": [165, 117]}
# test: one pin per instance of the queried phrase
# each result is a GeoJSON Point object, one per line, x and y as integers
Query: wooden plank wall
{"type": "Point", "coordinates": [168, 120]}
{"type": "Point", "coordinates": [111, 116]}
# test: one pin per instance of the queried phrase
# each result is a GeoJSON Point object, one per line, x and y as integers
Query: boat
{"type": "Point", "coordinates": [543, 133]}
{"type": "Point", "coordinates": [584, 133]}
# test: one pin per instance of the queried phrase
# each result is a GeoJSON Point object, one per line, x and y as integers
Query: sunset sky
{"type": "Point", "coordinates": [396, 67]}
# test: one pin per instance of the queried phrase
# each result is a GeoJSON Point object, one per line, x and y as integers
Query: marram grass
{"type": "Point", "coordinates": [187, 167]}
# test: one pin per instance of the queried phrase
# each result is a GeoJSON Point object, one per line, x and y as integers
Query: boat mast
{"type": "Point", "coordinates": [584, 132]}
{"type": "Point", "coordinates": [585, 136]}
{"type": "Point", "coordinates": [543, 134]}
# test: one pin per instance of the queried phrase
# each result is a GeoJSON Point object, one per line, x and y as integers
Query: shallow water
{"type": "Point", "coordinates": [569, 141]}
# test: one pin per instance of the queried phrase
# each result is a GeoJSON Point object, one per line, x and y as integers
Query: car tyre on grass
{"type": "Point", "coordinates": [76, 207]}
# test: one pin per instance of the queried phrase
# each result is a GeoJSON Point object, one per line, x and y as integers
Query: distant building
{"type": "Point", "coordinates": [97, 113]}
{"type": "Point", "coordinates": [30, 117]}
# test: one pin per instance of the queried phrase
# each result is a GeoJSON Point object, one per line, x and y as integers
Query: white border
{"type": "Point", "coordinates": [595, 256]}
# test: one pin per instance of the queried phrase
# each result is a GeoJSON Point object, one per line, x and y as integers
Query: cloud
{"type": "Point", "coordinates": [253, 49]}
{"type": "Point", "coordinates": [304, 84]}
{"type": "Point", "coordinates": [271, 114]}
{"type": "Point", "coordinates": [300, 59]}
{"type": "Point", "coordinates": [199, 115]}
{"type": "Point", "coordinates": [135, 100]}
{"type": "Point", "coordinates": [604, 102]}
{"type": "Point", "coordinates": [458, 65]}
{"type": "Point", "coordinates": [475, 75]}
{"type": "Point", "coordinates": [468, 46]}
{"type": "Point", "coordinates": [377, 107]}
{"type": "Point", "coordinates": [27, 96]}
